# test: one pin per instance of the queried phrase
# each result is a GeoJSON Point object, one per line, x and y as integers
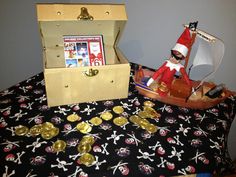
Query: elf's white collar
{"type": "Point", "coordinates": [173, 65]}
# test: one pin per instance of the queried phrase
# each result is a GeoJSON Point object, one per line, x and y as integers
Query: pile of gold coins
{"type": "Point", "coordinates": [84, 147]}
{"type": "Point", "coordinates": [143, 123]}
{"type": "Point", "coordinates": [141, 118]}
{"type": "Point", "coordinates": [148, 112]}
{"type": "Point", "coordinates": [47, 130]}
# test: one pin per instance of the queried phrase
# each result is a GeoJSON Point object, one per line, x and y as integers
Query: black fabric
{"type": "Point", "coordinates": [187, 141]}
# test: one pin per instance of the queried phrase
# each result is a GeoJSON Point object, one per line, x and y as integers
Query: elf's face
{"type": "Point", "coordinates": [176, 57]}
{"type": "Point", "coordinates": [177, 54]}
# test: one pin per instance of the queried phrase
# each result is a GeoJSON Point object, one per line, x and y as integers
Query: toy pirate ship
{"type": "Point", "coordinates": [202, 94]}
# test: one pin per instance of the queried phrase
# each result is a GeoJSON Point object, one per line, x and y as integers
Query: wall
{"type": "Point", "coordinates": [20, 52]}
{"type": "Point", "coordinates": [152, 30]}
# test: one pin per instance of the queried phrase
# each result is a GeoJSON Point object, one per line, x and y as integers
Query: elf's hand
{"type": "Point", "coordinates": [149, 82]}
{"type": "Point", "coordinates": [193, 91]}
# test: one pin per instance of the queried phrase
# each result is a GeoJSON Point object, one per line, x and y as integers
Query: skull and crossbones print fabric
{"type": "Point", "coordinates": [186, 141]}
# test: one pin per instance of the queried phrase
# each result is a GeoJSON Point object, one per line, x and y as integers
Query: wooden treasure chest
{"type": "Point", "coordinates": [82, 62]}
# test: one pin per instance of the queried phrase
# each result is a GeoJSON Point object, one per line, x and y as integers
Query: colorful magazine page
{"type": "Point", "coordinates": [83, 51]}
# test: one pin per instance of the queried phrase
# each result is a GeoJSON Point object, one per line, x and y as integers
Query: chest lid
{"type": "Point", "coordinates": [59, 20]}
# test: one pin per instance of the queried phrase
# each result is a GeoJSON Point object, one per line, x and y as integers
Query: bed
{"type": "Point", "coordinates": [187, 141]}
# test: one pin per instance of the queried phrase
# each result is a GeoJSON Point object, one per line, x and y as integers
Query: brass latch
{"type": "Point", "coordinates": [91, 72]}
{"type": "Point", "coordinates": [84, 15]}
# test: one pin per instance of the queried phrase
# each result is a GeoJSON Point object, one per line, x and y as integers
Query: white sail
{"type": "Point", "coordinates": [210, 52]}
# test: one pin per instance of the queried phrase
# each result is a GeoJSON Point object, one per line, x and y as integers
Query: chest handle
{"type": "Point", "coordinates": [91, 72]}
{"type": "Point", "coordinates": [84, 15]}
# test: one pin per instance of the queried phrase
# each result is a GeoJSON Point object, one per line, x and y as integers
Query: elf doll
{"type": "Point", "coordinates": [167, 71]}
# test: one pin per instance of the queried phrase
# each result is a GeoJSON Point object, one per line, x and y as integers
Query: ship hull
{"type": "Point", "coordinates": [196, 100]}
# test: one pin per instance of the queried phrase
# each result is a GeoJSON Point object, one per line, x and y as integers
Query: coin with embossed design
{"type": "Point", "coordinates": [120, 121]}
{"type": "Point", "coordinates": [148, 104]}
{"type": "Point", "coordinates": [87, 139]}
{"type": "Point", "coordinates": [95, 121]}
{"type": "Point", "coordinates": [152, 113]}
{"type": "Point", "coordinates": [35, 130]}
{"type": "Point", "coordinates": [134, 118]}
{"type": "Point", "coordinates": [59, 145]}
{"type": "Point", "coordinates": [118, 109]}
{"type": "Point", "coordinates": [106, 115]}
{"type": "Point", "coordinates": [84, 127]}
{"type": "Point", "coordinates": [21, 130]}
{"type": "Point", "coordinates": [47, 134]}
{"type": "Point", "coordinates": [47, 126]}
{"type": "Point", "coordinates": [143, 123]}
{"type": "Point", "coordinates": [151, 128]}
{"type": "Point", "coordinates": [73, 118]}
{"type": "Point", "coordinates": [87, 159]}
{"type": "Point", "coordinates": [143, 114]}
{"type": "Point", "coordinates": [83, 148]}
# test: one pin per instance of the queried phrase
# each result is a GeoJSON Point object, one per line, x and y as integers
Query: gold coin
{"type": "Point", "coordinates": [106, 116]}
{"type": "Point", "coordinates": [88, 139]}
{"type": "Point", "coordinates": [143, 123]}
{"type": "Point", "coordinates": [59, 145]}
{"type": "Point", "coordinates": [151, 128]}
{"type": "Point", "coordinates": [55, 131]}
{"type": "Point", "coordinates": [95, 121]}
{"type": "Point", "coordinates": [86, 130]}
{"type": "Point", "coordinates": [47, 134]}
{"type": "Point", "coordinates": [148, 104]}
{"type": "Point", "coordinates": [118, 109]}
{"type": "Point", "coordinates": [84, 127]}
{"type": "Point", "coordinates": [73, 118]}
{"type": "Point", "coordinates": [47, 126]}
{"type": "Point", "coordinates": [87, 159]}
{"type": "Point", "coordinates": [35, 130]}
{"type": "Point", "coordinates": [143, 114]}
{"type": "Point", "coordinates": [134, 118]}
{"type": "Point", "coordinates": [83, 148]}
{"type": "Point", "coordinates": [120, 121]}
{"type": "Point", "coordinates": [21, 130]}
{"type": "Point", "coordinates": [151, 112]}
{"type": "Point", "coordinates": [81, 125]}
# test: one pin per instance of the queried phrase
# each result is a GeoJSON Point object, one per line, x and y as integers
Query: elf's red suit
{"type": "Point", "coordinates": [166, 73]}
